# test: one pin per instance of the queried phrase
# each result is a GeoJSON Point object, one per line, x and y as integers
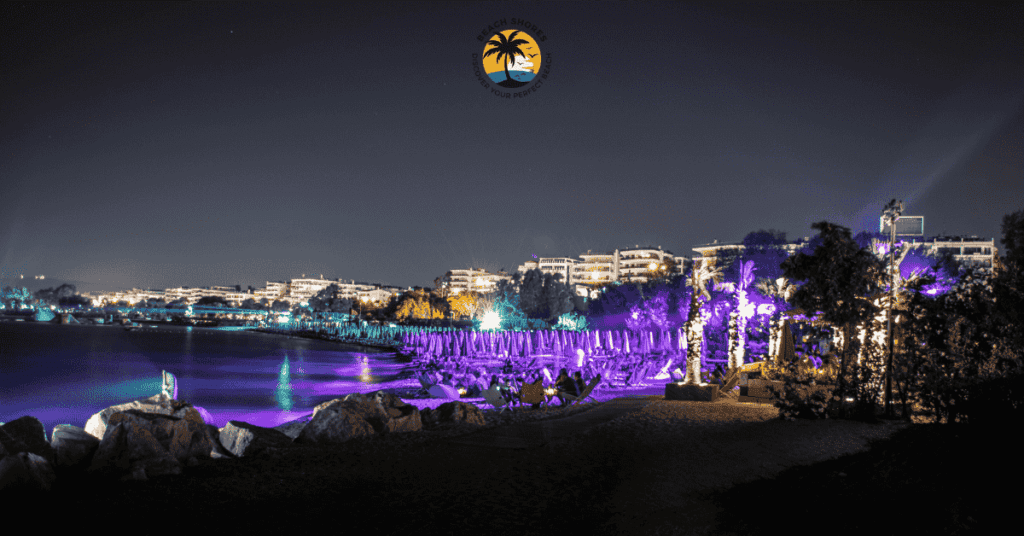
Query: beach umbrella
{"type": "Point", "coordinates": [557, 348]}
{"type": "Point", "coordinates": [625, 337]}
{"type": "Point", "coordinates": [529, 344]}
{"type": "Point", "coordinates": [588, 346]}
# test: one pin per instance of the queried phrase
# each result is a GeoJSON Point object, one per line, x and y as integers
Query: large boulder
{"type": "Point", "coordinates": [244, 439]}
{"type": "Point", "coordinates": [402, 416]}
{"type": "Point", "coordinates": [73, 447]}
{"type": "Point", "coordinates": [25, 471]}
{"type": "Point", "coordinates": [129, 449]}
{"type": "Point", "coordinates": [457, 413]}
{"type": "Point", "coordinates": [26, 434]}
{"type": "Point", "coordinates": [156, 404]}
{"type": "Point", "coordinates": [340, 420]}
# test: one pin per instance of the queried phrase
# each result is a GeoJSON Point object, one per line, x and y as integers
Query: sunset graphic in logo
{"type": "Point", "coordinates": [511, 58]}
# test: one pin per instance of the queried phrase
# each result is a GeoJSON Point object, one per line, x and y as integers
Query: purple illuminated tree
{"type": "Point", "coordinates": [700, 275]}
{"type": "Point", "coordinates": [738, 317]}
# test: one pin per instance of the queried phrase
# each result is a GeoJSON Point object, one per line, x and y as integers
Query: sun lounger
{"type": "Point", "coordinates": [494, 397]}
{"type": "Point", "coordinates": [587, 393]}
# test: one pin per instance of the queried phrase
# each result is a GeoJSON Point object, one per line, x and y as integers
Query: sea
{"type": "Point", "coordinates": [63, 374]}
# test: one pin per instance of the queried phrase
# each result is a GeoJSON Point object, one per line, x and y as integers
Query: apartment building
{"type": "Point", "coordinates": [473, 280]}
{"type": "Point", "coordinates": [594, 270]}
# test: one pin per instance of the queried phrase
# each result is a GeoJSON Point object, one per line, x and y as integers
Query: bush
{"type": "Point", "coordinates": [995, 401]}
{"type": "Point", "coordinates": [798, 398]}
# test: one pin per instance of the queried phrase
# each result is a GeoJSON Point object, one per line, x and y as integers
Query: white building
{"type": "Point", "coordinates": [473, 280]}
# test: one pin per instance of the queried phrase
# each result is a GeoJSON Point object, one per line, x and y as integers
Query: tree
{"type": "Point", "coordinates": [249, 303]}
{"type": "Point", "coordinates": [52, 296]}
{"type": "Point", "coordinates": [556, 299]}
{"type": "Point", "coordinates": [328, 300]}
{"type": "Point", "coordinates": [212, 301]}
{"type": "Point", "coordinates": [837, 281]}
{"type": "Point", "coordinates": [700, 275]}
{"type": "Point", "coordinates": [463, 304]}
{"type": "Point", "coordinates": [416, 304]}
{"type": "Point", "coordinates": [738, 317]}
{"type": "Point", "coordinates": [76, 302]}
{"type": "Point", "coordinates": [280, 306]}
{"type": "Point", "coordinates": [507, 50]}
{"type": "Point", "coordinates": [765, 249]}
{"type": "Point", "coordinates": [441, 288]}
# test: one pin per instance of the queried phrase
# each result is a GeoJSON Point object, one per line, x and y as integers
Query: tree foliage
{"type": "Point", "coordinates": [328, 301]}
{"type": "Point", "coordinates": [838, 280]}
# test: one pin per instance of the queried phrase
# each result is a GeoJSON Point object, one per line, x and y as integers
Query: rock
{"type": "Point", "coordinates": [458, 412]}
{"type": "Point", "coordinates": [26, 434]}
{"type": "Point", "coordinates": [402, 416]}
{"type": "Point", "coordinates": [129, 448]}
{"type": "Point", "coordinates": [340, 420]}
{"type": "Point", "coordinates": [294, 428]}
{"type": "Point", "coordinates": [244, 439]}
{"type": "Point", "coordinates": [73, 447]}
{"type": "Point", "coordinates": [156, 404]}
{"type": "Point", "coordinates": [25, 471]}
{"type": "Point", "coordinates": [218, 450]}
{"type": "Point", "coordinates": [152, 444]}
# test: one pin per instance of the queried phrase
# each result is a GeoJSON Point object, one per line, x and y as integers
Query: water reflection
{"type": "Point", "coordinates": [283, 392]}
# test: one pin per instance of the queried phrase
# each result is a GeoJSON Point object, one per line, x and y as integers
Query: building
{"type": "Point", "coordinates": [473, 280]}
{"type": "Point", "coordinates": [967, 250]}
{"type": "Point", "coordinates": [595, 270]}
{"type": "Point", "coordinates": [302, 289]}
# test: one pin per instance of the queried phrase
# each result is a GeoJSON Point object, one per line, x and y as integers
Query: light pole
{"type": "Point", "coordinates": [891, 213]}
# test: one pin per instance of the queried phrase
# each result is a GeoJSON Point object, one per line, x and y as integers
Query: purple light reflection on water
{"type": "Point", "coordinates": [64, 374]}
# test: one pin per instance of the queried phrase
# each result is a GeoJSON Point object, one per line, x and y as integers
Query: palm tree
{"type": "Point", "coordinates": [780, 289]}
{"type": "Point", "coordinates": [699, 277]}
{"type": "Point", "coordinates": [507, 49]}
{"type": "Point", "coordinates": [737, 319]}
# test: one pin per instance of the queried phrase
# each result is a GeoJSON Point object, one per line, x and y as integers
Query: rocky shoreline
{"type": "Point", "coordinates": [160, 436]}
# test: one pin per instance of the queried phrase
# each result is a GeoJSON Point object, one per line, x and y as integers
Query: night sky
{"type": "Point", "coordinates": [158, 145]}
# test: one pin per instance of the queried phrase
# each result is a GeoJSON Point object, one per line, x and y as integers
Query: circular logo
{"type": "Point", "coordinates": [511, 58]}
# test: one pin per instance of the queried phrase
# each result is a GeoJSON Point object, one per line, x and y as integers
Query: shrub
{"type": "Point", "coordinates": [798, 398]}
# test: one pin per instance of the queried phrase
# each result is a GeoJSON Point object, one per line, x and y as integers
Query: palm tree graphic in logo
{"type": "Point", "coordinates": [511, 58]}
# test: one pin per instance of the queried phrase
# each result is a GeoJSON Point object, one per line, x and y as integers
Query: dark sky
{"type": "Point", "coordinates": [155, 145]}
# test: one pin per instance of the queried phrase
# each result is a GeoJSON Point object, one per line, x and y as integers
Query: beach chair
{"type": "Point", "coordinates": [494, 397]}
{"type": "Point", "coordinates": [532, 393]}
{"type": "Point", "coordinates": [587, 392]}
{"type": "Point", "coordinates": [732, 379]}
{"type": "Point", "coordinates": [425, 383]}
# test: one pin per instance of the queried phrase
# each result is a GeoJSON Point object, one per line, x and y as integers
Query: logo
{"type": "Point", "coordinates": [511, 64]}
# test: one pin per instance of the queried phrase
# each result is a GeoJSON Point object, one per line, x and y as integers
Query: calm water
{"type": "Point", "coordinates": [65, 373]}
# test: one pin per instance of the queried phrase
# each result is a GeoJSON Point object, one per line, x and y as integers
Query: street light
{"type": "Point", "coordinates": [891, 213]}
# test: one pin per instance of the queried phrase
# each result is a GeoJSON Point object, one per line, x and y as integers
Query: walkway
{"type": "Point", "coordinates": [536, 434]}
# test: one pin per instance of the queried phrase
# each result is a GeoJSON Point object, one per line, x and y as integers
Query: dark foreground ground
{"type": "Point", "coordinates": [924, 479]}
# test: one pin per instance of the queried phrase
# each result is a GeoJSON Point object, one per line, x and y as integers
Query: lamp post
{"type": "Point", "coordinates": [891, 213]}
